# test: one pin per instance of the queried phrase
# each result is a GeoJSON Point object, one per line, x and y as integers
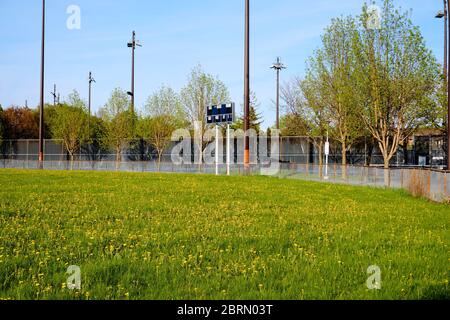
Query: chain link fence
{"type": "Point", "coordinates": [299, 160]}
{"type": "Point", "coordinates": [429, 183]}
{"type": "Point", "coordinates": [300, 150]}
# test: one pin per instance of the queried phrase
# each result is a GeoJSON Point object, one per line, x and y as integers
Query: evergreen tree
{"type": "Point", "coordinates": [255, 117]}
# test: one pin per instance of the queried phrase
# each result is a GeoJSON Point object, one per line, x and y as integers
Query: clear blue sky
{"type": "Point", "coordinates": [177, 35]}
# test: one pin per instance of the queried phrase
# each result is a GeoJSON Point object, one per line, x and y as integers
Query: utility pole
{"type": "Point", "coordinates": [91, 80]}
{"type": "Point", "coordinates": [247, 85]}
{"type": "Point", "coordinates": [448, 95]}
{"type": "Point", "coordinates": [54, 94]}
{"type": "Point", "coordinates": [278, 66]}
{"type": "Point", "coordinates": [132, 44]}
{"type": "Point", "coordinates": [41, 106]}
{"type": "Point", "coordinates": [444, 14]}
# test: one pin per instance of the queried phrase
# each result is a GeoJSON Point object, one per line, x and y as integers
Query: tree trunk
{"type": "Point", "coordinates": [344, 161]}
{"type": "Point", "coordinates": [387, 175]}
{"type": "Point", "coordinates": [159, 160]}
{"type": "Point", "coordinates": [321, 158]}
{"type": "Point", "coordinates": [118, 155]}
{"type": "Point", "coordinates": [71, 161]}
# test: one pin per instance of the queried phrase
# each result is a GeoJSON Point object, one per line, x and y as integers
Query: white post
{"type": "Point", "coordinates": [228, 150]}
{"type": "Point", "coordinates": [327, 153]}
{"type": "Point", "coordinates": [217, 150]}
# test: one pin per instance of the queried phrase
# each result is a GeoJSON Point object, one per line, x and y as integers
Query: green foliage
{"type": "Point", "coordinates": [254, 116]}
{"type": "Point", "coordinates": [201, 91]}
{"type": "Point", "coordinates": [396, 78]}
{"type": "Point", "coordinates": [361, 82]}
{"type": "Point", "coordinates": [119, 122]}
{"type": "Point", "coordinates": [150, 236]}
{"type": "Point", "coordinates": [69, 124]}
{"type": "Point", "coordinates": [157, 131]}
{"type": "Point", "coordinates": [75, 100]}
{"type": "Point", "coordinates": [332, 69]}
{"type": "Point", "coordinates": [292, 125]}
{"type": "Point", "coordinates": [49, 114]}
{"type": "Point", "coordinates": [96, 146]}
{"type": "Point", "coordinates": [117, 103]}
{"type": "Point", "coordinates": [163, 115]}
{"type": "Point", "coordinates": [165, 102]}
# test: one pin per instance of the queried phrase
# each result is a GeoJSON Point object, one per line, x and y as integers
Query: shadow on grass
{"type": "Point", "coordinates": [436, 292]}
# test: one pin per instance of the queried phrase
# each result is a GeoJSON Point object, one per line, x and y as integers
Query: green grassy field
{"type": "Point", "coordinates": [150, 236]}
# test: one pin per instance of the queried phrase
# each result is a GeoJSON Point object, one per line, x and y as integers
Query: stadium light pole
{"type": "Point", "coordinates": [444, 14]}
{"type": "Point", "coordinates": [447, 10]}
{"type": "Point", "coordinates": [132, 44]}
{"type": "Point", "coordinates": [91, 80]}
{"type": "Point", "coordinates": [278, 66]}
{"type": "Point", "coordinates": [247, 85]}
{"type": "Point", "coordinates": [41, 105]}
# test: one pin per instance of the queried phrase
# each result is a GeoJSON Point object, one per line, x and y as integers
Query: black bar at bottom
{"type": "Point", "coordinates": [181, 310]}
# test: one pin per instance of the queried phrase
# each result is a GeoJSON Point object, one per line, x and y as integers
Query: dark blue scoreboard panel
{"type": "Point", "coordinates": [223, 113]}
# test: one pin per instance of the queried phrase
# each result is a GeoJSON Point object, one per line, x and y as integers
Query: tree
{"type": "Point", "coordinates": [20, 123]}
{"type": "Point", "coordinates": [163, 115]}
{"type": "Point", "coordinates": [254, 116]}
{"type": "Point", "coordinates": [306, 111]}
{"type": "Point", "coordinates": [201, 91]}
{"type": "Point", "coordinates": [74, 100]}
{"type": "Point", "coordinates": [332, 70]}
{"type": "Point", "coordinates": [69, 125]}
{"type": "Point", "coordinates": [95, 148]}
{"type": "Point", "coordinates": [49, 114]}
{"type": "Point", "coordinates": [292, 125]}
{"type": "Point", "coordinates": [396, 76]}
{"type": "Point", "coordinates": [118, 122]}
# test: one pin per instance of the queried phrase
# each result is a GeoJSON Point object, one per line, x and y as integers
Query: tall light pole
{"type": "Point", "coordinates": [91, 80]}
{"type": "Point", "coordinates": [247, 85]}
{"type": "Point", "coordinates": [132, 44]}
{"type": "Point", "coordinates": [448, 90]}
{"type": "Point", "coordinates": [278, 66]}
{"type": "Point", "coordinates": [444, 14]}
{"type": "Point", "coordinates": [41, 106]}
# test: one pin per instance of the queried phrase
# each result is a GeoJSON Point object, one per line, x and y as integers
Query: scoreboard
{"type": "Point", "coordinates": [220, 114]}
